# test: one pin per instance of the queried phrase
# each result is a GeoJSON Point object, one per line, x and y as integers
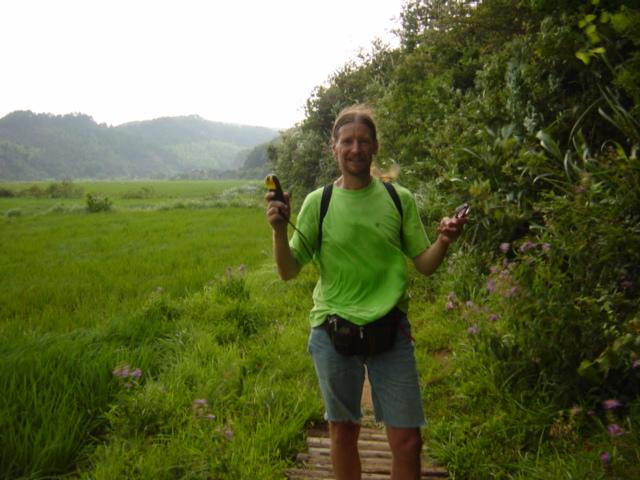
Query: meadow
{"type": "Point", "coordinates": [154, 340]}
{"type": "Point", "coordinates": [145, 341]}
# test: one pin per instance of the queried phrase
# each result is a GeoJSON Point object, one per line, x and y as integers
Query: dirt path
{"type": "Point", "coordinates": [315, 463]}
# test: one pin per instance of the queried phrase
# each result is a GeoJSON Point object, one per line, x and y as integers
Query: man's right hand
{"type": "Point", "coordinates": [277, 212]}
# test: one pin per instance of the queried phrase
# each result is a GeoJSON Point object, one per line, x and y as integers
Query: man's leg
{"type": "Point", "coordinates": [340, 379]}
{"type": "Point", "coordinates": [344, 450]}
{"type": "Point", "coordinates": [406, 445]}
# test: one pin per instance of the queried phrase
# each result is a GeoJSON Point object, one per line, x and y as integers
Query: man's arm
{"type": "Point", "coordinates": [429, 260]}
{"type": "Point", "coordinates": [277, 215]}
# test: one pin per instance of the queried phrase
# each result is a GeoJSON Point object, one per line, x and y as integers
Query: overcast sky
{"type": "Point", "coordinates": [250, 62]}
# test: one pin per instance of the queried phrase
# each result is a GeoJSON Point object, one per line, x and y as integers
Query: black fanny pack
{"type": "Point", "coordinates": [376, 337]}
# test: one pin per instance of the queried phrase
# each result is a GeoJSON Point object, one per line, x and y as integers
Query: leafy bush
{"type": "Point", "coordinates": [98, 203]}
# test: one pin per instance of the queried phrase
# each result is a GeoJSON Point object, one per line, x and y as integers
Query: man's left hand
{"type": "Point", "coordinates": [450, 229]}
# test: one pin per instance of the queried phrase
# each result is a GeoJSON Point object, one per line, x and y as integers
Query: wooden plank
{"type": "Point", "coordinates": [362, 444]}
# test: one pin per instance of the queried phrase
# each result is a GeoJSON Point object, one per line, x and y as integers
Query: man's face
{"type": "Point", "coordinates": [354, 149]}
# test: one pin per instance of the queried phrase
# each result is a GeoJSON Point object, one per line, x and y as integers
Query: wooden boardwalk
{"type": "Point", "coordinates": [375, 455]}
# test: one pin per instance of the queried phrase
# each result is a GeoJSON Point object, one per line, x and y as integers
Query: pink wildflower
{"type": "Point", "coordinates": [611, 404]}
{"type": "Point", "coordinates": [121, 371]}
{"type": "Point", "coordinates": [511, 292]}
{"type": "Point", "coordinates": [137, 373]}
{"type": "Point", "coordinates": [473, 330]}
{"type": "Point", "coordinates": [491, 285]}
{"type": "Point", "coordinates": [605, 458]}
{"type": "Point", "coordinates": [504, 247]}
{"type": "Point", "coordinates": [528, 245]}
{"type": "Point", "coordinates": [449, 306]}
{"type": "Point", "coordinates": [494, 317]}
{"type": "Point", "coordinates": [615, 430]}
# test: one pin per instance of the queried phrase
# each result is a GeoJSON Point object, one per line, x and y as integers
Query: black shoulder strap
{"type": "Point", "coordinates": [326, 198]}
{"type": "Point", "coordinates": [394, 196]}
{"type": "Point", "coordinates": [324, 206]}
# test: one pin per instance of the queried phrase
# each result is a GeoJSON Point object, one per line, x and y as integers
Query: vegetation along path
{"type": "Point", "coordinates": [375, 454]}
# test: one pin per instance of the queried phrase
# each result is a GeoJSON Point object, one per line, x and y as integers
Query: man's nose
{"type": "Point", "coordinates": [356, 147]}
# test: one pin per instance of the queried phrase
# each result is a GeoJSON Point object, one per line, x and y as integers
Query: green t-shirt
{"type": "Point", "coordinates": [362, 261]}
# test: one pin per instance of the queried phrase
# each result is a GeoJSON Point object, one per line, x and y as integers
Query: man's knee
{"type": "Point", "coordinates": [344, 434]}
{"type": "Point", "coordinates": [405, 442]}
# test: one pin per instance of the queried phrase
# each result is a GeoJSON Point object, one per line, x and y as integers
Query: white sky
{"type": "Point", "coordinates": [249, 62]}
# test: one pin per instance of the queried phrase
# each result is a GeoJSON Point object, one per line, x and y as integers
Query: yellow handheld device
{"type": "Point", "coordinates": [273, 185]}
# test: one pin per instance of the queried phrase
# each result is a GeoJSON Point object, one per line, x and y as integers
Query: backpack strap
{"type": "Point", "coordinates": [324, 206]}
{"type": "Point", "coordinates": [394, 196]}
{"type": "Point", "coordinates": [326, 198]}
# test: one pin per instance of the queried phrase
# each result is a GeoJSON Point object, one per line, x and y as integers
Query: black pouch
{"type": "Point", "coordinates": [351, 339]}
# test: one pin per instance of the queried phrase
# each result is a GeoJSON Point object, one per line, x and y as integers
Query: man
{"type": "Point", "coordinates": [363, 277]}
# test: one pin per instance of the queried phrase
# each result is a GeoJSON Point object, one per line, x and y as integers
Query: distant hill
{"type": "Point", "coordinates": [44, 146]}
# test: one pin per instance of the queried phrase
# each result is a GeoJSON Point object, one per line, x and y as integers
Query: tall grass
{"type": "Point", "coordinates": [61, 272]}
{"type": "Point", "coordinates": [188, 298]}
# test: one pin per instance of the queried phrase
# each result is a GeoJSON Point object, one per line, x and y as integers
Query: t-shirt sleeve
{"type": "Point", "coordinates": [415, 239]}
{"type": "Point", "coordinates": [304, 241]}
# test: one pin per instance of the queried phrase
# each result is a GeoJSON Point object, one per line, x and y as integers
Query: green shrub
{"type": "Point", "coordinates": [98, 203]}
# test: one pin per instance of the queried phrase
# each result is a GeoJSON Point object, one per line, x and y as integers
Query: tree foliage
{"type": "Point", "coordinates": [37, 146]}
{"type": "Point", "coordinates": [529, 111]}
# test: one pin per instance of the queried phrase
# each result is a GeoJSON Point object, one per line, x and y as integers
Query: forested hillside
{"type": "Point", "coordinates": [40, 146]}
{"type": "Point", "coordinates": [529, 111]}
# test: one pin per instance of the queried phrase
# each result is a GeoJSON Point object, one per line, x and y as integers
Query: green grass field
{"type": "Point", "coordinates": [182, 290]}
{"type": "Point", "coordinates": [155, 340]}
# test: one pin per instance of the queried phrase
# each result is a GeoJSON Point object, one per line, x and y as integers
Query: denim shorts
{"type": "Point", "coordinates": [393, 376]}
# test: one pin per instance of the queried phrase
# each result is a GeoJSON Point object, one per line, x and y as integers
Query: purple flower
{"type": "Point", "coordinates": [137, 373]}
{"type": "Point", "coordinates": [504, 247]}
{"type": "Point", "coordinates": [511, 292]}
{"type": "Point", "coordinates": [546, 247]}
{"type": "Point", "coordinates": [121, 371]}
{"type": "Point", "coordinates": [611, 404]}
{"type": "Point", "coordinates": [528, 245]}
{"type": "Point", "coordinates": [635, 364]}
{"type": "Point", "coordinates": [605, 458]}
{"type": "Point", "coordinates": [473, 330]}
{"type": "Point", "coordinates": [210, 417]}
{"type": "Point", "coordinates": [229, 434]}
{"type": "Point", "coordinates": [449, 306]}
{"type": "Point", "coordinates": [200, 401]}
{"type": "Point", "coordinates": [491, 286]}
{"type": "Point", "coordinates": [494, 317]}
{"type": "Point", "coordinates": [469, 303]}
{"type": "Point", "coordinates": [615, 430]}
